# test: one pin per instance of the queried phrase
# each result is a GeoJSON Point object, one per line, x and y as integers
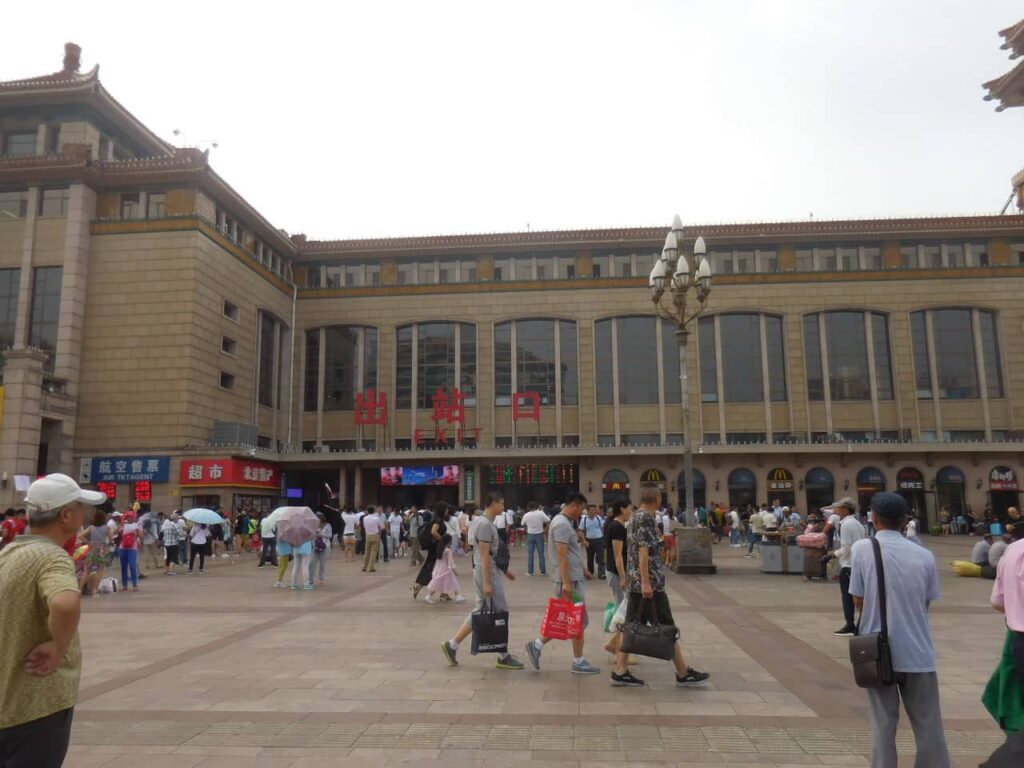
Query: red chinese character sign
{"type": "Point", "coordinates": [240, 473]}
{"type": "Point", "coordinates": [372, 408]}
{"type": "Point", "coordinates": [448, 408]}
{"type": "Point", "coordinates": [526, 406]}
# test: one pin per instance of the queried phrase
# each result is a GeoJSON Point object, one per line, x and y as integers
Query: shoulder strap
{"type": "Point", "coordinates": [881, 585]}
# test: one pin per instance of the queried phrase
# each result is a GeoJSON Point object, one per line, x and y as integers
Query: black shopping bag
{"type": "Point", "coordinates": [490, 630]}
{"type": "Point", "coordinates": [644, 636]}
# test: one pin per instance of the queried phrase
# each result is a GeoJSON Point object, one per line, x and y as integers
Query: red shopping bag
{"type": "Point", "coordinates": [563, 620]}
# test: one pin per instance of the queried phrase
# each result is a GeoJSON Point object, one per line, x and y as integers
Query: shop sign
{"type": "Point", "coordinates": [1002, 479]}
{"type": "Point", "coordinates": [653, 477]}
{"type": "Point", "coordinates": [780, 479]}
{"type": "Point", "coordinates": [125, 469]}
{"type": "Point", "coordinates": [239, 473]}
{"type": "Point", "coordinates": [910, 480]}
{"type": "Point", "coordinates": [531, 474]}
{"type": "Point", "coordinates": [469, 473]}
{"type": "Point", "coordinates": [616, 485]}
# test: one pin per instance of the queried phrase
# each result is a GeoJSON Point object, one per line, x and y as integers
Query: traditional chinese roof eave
{"type": "Point", "coordinates": [219, 189]}
{"type": "Point", "coordinates": [1014, 39]}
{"type": "Point", "coordinates": [1008, 89]}
{"type": "Point", "coordinates": [652, 237]}
{"type": "Point", "coordinates": [62, 89]}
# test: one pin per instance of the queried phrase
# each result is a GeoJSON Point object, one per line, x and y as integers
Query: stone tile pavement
{"type": "Point", "coordinates": [222, 670]}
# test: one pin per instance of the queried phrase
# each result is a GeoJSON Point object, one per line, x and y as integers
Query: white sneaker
{"type": "Point", "coordinates": [460, 599]}
{"type": "Point", "coordinates": [430, 599]}
{"type": "Point", "coordinates": [278, 585]}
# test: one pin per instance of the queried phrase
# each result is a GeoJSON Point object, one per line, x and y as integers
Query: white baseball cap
{"type": "Point", "coordinates": [57, 490]}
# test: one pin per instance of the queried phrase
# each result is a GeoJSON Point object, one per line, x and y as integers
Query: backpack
{"type": "Point", "coordinates": [424, 536]}
{"type": "Point", "coordinates": [501, 557]}
{"type": "Point", "coordinates": [128, 540]}
{"type": "Point", "coordinates": [107, 586]}
{"type": "Point", "coordinates": [319, 545]}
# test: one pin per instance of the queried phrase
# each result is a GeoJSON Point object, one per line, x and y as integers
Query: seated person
{"type": "Point", "coordinates": [998, 548]}
{"type": "Point", "coordinates": [979, 555]}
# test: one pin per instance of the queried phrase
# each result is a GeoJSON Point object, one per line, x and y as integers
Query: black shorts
{"type": "Point", "coordinates": [662, 610]}
{"type": "Point", "coordinates": [41, 743]}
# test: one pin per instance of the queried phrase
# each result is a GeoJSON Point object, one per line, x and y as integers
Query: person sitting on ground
{"type": "Point", "coordinates": [979, 555]}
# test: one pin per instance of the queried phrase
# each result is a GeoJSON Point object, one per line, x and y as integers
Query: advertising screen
{"type": "Point", "coordinates": [446, 475]}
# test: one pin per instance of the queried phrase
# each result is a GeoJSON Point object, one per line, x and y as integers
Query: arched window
{"type": "Point", "coordinates": [444, 357]}
{"type": "Point", "coordinates": [545, 356]}
{"type": "Point", "coordinates": [350, 365]}
{"type": "Point", "coordinates": [820, 487]}
{"type": "Point", "coordinates": [614, 487]}
{"type": "Point", "coordinates": [950, 483]}
{"type": "Point", "coordinates": [733, 341]}
{"type": "Point", "coordinates": [870, 480]}
{"type": "Point", "coordinates": [700, 496]}
{"type": "Point", "coordinates": [851, 344]}
{"type": "Point", "coordinates": [951, 334]}
{"type": "Point", "coordinates": [629, 345]}
{"type": "Point", "coordinates": [742, 488]}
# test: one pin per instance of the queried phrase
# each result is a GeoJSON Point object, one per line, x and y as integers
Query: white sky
{"type": "Point", "coordinates": [385, 118]}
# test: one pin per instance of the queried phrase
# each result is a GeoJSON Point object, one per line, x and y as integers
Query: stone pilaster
{"type": "Point", "coordinates": [22, 421]}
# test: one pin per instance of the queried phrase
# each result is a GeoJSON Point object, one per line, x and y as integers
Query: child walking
{"type": "Point", "coordinates": [444, 581]}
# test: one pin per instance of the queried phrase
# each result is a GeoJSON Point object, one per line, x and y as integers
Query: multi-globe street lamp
{"type": "Point", "coordinates": [680, 287]}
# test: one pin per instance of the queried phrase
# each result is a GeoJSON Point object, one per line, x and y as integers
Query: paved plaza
{"type": "Point", "coordinates": [222, 670]}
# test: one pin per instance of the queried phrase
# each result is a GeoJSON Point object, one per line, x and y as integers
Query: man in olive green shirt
{"type": "Point", "coordinates": [41, 661]}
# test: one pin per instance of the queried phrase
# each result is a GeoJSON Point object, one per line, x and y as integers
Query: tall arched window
{"type": "Point", "coordinates": [545, 359]}
{"type": "Point", "coordinates": [850, 346]}
{"type": "Point", "coordinates": [350, 365]}
{"type": "Point", "coordinates": [443, 356]}
{"type": "Point", "coordinates": [952, 335]}
{"type": "Point", "coordinates": [742, 488]}
{"type": "Point", "coordinates": [624, 346]}
{"type": "Point", "coordinates": [734, 343]}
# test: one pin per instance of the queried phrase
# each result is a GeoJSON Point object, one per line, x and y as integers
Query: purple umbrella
{"type": "Point", "coordinates": [297, 526]}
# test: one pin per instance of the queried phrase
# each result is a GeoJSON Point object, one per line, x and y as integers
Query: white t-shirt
{"type": "Point", "coordinates": [500, 520]}
{"type": "Point", "coordinates": [912, 528]}
{"type": "Point", "coordinates": [372, 524]}
{"type": "Point", "coordinates": [535, 520]}
{"type": "Point", "coordinates": [834, 520]}
{"type": "Point", "coordinates": [351, 520]}
{"type": "Point", "coordinates": [199, 534]}
{"type": "Point", "coordinates": [395, 523]}
{"type": "Point", "coordinates": [734, 518]}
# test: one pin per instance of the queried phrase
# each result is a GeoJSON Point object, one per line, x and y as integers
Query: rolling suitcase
{"type": "Point", "coordinates": [813, 569]}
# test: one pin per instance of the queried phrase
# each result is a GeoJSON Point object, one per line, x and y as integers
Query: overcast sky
{"type": "Point", "coordinates": [382, 118]}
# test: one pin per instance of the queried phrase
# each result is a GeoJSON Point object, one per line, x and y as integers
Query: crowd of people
{"type": "Point", "coordinates": [61, 545]}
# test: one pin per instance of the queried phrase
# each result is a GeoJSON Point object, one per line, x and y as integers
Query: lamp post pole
{"type": "Point", "coordinates": [672, 280]}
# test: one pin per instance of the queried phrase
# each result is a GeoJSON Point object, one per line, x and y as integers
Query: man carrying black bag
{"type": "Point", "coordinates": [911, 584]}
{"type": "Point", "coordinates": [490, 616]}
{"type": "Point", "coordinates": [647, 591]}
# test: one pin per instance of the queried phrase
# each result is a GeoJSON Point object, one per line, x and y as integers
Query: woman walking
{"type": "Point", "coordinates": [128, 550]}
{"type": "Point", "coordinates": [99, 536]}
{"type": "Point", "coordinates": [171, 534]}
{"type": "Point", "coordinates": [444, 581]}
{"type": "Point", "coordinates": [200, 540]}
{"type": "Point", "coordinates": [351, 520]}
{"type": "Point", "coordinates": [321, 550]}
{"type": "Point", "coordinates": [438, 528]}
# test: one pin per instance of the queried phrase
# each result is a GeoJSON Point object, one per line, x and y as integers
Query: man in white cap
{"type": "Point", "coordinates": [41, 662]}
{"type": "Point", "coordinates": [850, 532]}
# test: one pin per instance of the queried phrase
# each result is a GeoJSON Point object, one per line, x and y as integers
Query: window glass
{"type": "Point", "coordinates": [535, 358]}
{"type": "Point", "coordinates": [638, 368]}
{"type": "Point", "coordinates": [741, 358]}
{"type": "Point", "coordinates": [13, 205]}
{"type": "Point", "coordinates": [954, 354]}
{"type": "Point", "coordinates": [467, 352]}
{"type": "Point", "coordinates": [990, 351]}
{"type": "Point", "coordinates": [601, 266]}
{"type": "Point", "coordinates": [503, 364]}
{"type": "Point", "coordinates": [156, 204]}
{"type": "Point", "coordinates": [10, 282]}
{"type": "Point", "coordinates": [448, 272]}
{"type": "Point", "coordinates": [769, 261]}
{"type": "Point", "coordinates": [566, 267]}
{"type": "Point", "coordinates": [436, 364]}
{"type": "Point", "coordinates": [53, 202]}
{"type": "Point", "coordinates": [45, 312]}
{"type": "Point", "coordinates": [955, 255]}
{"type": "Point", "coordinates": [403, 367]}
{"type": "Point", "coordinates": [744, 261]}
{"type": "Point", "coordinates": [622, 265]}
{"type": "Point", "coordinates": [977, 255]}
{"type": "Point", "coordinates": [131, 207]}
{"type": "Point", "coordinates": [427, 274]}
{"type": "Point", "coordinates": [883, 358]}
{"type": "Point", "coordinates": [341, 363]}
{"type": "Point", "coordinates": [847, 356]}
{"type": "Point", "coordinates": [568, 362]}
{"type": "Point", "coordinates": [369, 359]}
{"type": "Point", "coordinates": [931, 257]}
{"type": "Point", "coordinates": [708, 360]}
{"type": "Point", "coordinates": [922, 365]}
{"type": "Point", "coordinates": [268, 360]}
{"type": "Point", "coordinates": [373, 274]}
{"type": "Point", "coordinates": [670, 362]}
{"type": "Point", "coordinates": [407, 274]}
{"type": "Point", "coordinates": [721, 262]}
{"type": "Point", "coordinates": [776, 358]}
{"type": "Point", "coordinates": [312, 382]}
{"type": "Point", "coordinates": [523, 267]}
{"type": "Point", "coordinates": [872, 258]}
{"type": "Point", "coordinates": [503, 270]}
{"type": "Point", "coordinates": [805, 260]}
{"type": "Point", "coordinates": [21, 144]}
{"type": "Point", "coordinates": [849, 260]}
{"type": "Point", "coordinates": [826, 259]}
{"type": "Point", "coordinates": [812, 358]}
{"type": "Point", "coordinates": [603, 361]}
{"type": "Point", "coordinates": [908, 257]}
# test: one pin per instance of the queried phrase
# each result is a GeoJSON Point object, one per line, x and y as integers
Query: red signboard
{"type": "Point", "coordinates": [110, 489]}
{"type": "Point", "coordinates": [526, 406]}
{"type": "Point", "coordinates": [143, 491]}
{"type": "Point", "coordinates": [1003, 479]}
{"type": "Point", "coordinates": [240, 473]}
{"type": "Point", "coordinates": [371, 408]}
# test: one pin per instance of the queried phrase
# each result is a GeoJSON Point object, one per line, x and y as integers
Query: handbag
{"type": "Point", "coordinates": [652, 639]}
{"type": "Point", "coordinates": [490, 630]}
{"type": "Point", "coordinates": [563, 620]}
{"type": "Point", "coordinates": [870, 655]}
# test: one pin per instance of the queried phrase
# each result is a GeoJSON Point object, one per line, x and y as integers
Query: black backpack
{"type": "Point", "coordinates": [424, 536]}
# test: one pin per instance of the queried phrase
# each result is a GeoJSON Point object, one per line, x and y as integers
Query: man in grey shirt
{"type": "Point", "coordinates": [488, 579]}
{"type": "Point", "coordinates": [850, 532]}
{"type": "Point", "coordinates": [911, 585]}
{"type": "Point", "coordinates": [569, 573]}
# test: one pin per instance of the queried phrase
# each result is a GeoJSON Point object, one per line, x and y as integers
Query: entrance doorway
{"type": "Point", "coordinates": [700, 493]}
{"type": "Point", "coordinates": [820, 487]}
{"type": "Point", "coordinates": [1003, 492]}
{"type": "Point", "coordinates": [780, 486]}
{"type": "Point", "coordinates": [742, 488]}
{"type": "Point", "coordinates": [655, 478]}
{"type": "Point", "coordinates": [870, 481]}
{"type": "Point", "coordinates": [950, 483]}
{"type": "Point", "coordinates": [614, 487]}
{"type": "Point", "coordinates": [910, 485]}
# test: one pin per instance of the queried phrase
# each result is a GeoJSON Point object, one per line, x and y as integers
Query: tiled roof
{"type": "Point", "coordinates": [1008, 89]}
{"type": "Point", "coordinates": [1014, 37]}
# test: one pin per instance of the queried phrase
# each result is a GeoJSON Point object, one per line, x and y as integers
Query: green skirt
{"type": "Point", "coordinates": [1003, 696]}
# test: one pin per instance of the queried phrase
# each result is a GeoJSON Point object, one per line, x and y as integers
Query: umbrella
{"type": "Point", "coordinates": [297, 525]}
{"type": "Point", "coordinates": [203, 516]}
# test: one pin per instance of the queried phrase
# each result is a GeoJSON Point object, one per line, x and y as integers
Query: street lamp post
{"type": "Point", "coordinates": [679, 290]}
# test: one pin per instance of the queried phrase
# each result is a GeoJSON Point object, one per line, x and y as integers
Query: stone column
{"type": "Point", "coordinates": [25, 276]}
{"type": "Point", "coordinates": [22, 416]}
{"type": "Point", "coordinates": [81, 206]}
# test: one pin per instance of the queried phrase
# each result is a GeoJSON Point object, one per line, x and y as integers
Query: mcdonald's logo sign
{"type": "Point", "coordinates": [652, 476]}
{"type": "Point", "coordinates": [780, 479]}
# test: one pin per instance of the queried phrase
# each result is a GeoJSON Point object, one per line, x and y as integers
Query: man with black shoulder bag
{"type": "Point", "coordinates": [893, 581]}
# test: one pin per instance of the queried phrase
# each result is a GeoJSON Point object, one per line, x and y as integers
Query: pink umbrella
{"type": "Point", "coordinates": [297, 525]}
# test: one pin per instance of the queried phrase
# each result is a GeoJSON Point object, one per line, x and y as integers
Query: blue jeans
{"type": "Point", "coordinates": [129, 562]}
{"type": "Point", "coordinates": [535, 541]}
{"type": "Point", "coordinates": [755, 538]}
{"type": "Point", "coordinates": [734, 537]}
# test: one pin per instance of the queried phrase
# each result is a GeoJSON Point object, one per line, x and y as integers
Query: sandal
{"type": "Point", "coordinates": [415, 590]}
